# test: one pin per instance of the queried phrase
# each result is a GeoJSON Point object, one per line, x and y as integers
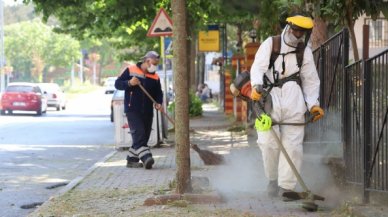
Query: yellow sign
{"type": "Point", "coordinates": [209, 41]}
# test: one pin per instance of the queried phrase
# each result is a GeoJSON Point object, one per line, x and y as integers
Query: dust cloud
{"type": "Point", "coordinates": [322, 168]}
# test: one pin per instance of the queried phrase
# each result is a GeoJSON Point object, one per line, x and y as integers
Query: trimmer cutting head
{"type": "Point", "coordinates": [308, 197]}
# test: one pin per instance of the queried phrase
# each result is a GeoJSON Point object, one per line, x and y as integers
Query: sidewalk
{"type": "Point", "coordinates": [111, 189]}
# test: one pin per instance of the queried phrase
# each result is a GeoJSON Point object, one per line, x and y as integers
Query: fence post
{"type": "Point", "coordinates": [367, 127]}
{"type": "Point", "coordinates": [365, 41]}
{"type": "Point", "coordinates": [347, 111]}
{"type": "Point", "coordinates": [346, 92]}
{"type": "Point", "coordinates": [367, 112]}
{"type": "Point", "coordinates": [321, 72]}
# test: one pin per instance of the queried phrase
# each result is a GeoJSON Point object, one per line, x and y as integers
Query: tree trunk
{"type": "Point", "coordinates": [350, 24]}
{"type": "Point", "coordinates": [181, 76]}
{"type": "Point", "coordinates": [319, 34]}
{"type": "Point", "coordinates": [354, 42]}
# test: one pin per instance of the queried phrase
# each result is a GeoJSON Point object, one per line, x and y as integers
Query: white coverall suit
{"type": "Point", "coordinates": [289, 105]}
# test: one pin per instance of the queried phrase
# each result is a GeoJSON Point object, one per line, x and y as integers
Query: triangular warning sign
{"type": "Point", "coordinates": [161, 26]}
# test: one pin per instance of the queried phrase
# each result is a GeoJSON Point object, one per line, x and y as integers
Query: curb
{"type": "Point", "coordinates": [77, 180]}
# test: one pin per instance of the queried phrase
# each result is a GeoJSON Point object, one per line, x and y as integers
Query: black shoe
{"type": "Point", "coordinates": [149, 162]}
{"type": "Point", "coordinates": [134, 164]}
{"type": "Point", "coordinates": [288, 195]}
{"type": "Point", "coordinates": [272, 188]}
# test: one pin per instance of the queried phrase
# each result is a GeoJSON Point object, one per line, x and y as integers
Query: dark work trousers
{"type": "Point", "coordinates": [140, 125]}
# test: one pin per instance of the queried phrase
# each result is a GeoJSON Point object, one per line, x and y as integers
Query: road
{"type": "Point", "coordinates": [39, 152]}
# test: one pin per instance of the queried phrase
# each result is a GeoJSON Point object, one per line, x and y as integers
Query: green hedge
{"type": "Point", "coordinates": [195, 106]}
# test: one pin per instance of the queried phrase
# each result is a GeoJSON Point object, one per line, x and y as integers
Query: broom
{"type": "Point", "coordinates": [208, 157]}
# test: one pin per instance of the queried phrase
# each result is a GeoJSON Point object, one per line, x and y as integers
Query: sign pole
{"type": "Point", "coordinates": [164, 70]}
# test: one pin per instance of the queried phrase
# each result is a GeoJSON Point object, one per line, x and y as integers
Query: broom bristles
{"type": "Point", "coordinates": [208, 157]}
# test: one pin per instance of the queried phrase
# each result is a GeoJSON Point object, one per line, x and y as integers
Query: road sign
{"type": "Point", "coordinates": [209, 41]}
{"type": "Point", "coordinates": [168, 47]}
{"type": "Point", "coordinates": [161, 26]}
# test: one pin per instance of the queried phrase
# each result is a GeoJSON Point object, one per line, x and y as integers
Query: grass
{"type": "Point", "coordinates": [78, 88]}
{"type": "Point", "coordinates": [126, 202]}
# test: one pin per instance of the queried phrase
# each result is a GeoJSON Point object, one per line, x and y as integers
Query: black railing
{"type": "Point", "coordinates": [354, 132]}
{"type": "Point", "coordinates": [375, 124]}
{"type": "Point", "coordinates": [330, 59]}
{"type": "Point", "coordinates": [355, 99]}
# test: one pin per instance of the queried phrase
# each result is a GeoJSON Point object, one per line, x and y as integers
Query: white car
{"type": "Point", "coordinates": [110, 85]}
{"type": "Point", "coordinates": [118, 95]}
{"type": "Point", "coordinates": [55, 96]}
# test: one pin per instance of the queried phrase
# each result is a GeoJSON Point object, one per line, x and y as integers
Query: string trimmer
{"type": "Point", "coordinates": [307, 196]}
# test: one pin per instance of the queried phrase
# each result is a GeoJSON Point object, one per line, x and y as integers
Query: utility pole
{"type": "Point", "coordinates": [2, 58]}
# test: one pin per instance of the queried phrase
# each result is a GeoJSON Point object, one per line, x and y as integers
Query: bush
{"type": "Point", "coordinates": [195, 106]}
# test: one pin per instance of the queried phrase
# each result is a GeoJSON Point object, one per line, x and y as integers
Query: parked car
{"type": "Point", "coordinates": [23, 96]}
{"type": "Point", "coordinates": [110, 85]}
{"type": "Point", "coordinates": [55, 96]}
{"type": "Point", "coordinates": [118, 95]}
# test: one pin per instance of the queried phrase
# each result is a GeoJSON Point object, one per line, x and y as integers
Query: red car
{"type": "Point", "coordinates": [23, 96]}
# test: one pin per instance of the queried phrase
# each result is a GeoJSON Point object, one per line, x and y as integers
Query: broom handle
{"type": "Point", "coordinates": [153, 100]}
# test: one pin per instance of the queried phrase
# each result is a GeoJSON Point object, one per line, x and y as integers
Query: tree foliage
{"type": "Point", "coordinates": [18, 13]}
{"type": "Point", "coordinates": [31, 46]}
{"type": "Point", "coordinates": [346, 12]}
{"type": "Point", "coordinates": [126, 22]}
{"type": "Point", "coordinates": [122, 20]}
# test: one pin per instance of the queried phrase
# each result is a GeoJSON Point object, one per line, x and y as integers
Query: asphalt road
{"type": "Point", "coordinates": [40, 152]}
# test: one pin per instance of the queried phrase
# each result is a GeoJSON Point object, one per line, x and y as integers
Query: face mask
{"type": "Point", "coordinates": [152, 68]}
{"type": "Point", "coordinates": [290, 39]}
{"type": "Point", "coordinates": [293, 38]}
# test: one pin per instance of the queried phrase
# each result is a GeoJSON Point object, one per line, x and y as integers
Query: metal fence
{"type": "Point", "coordinates": [355, 99]}
{"type": "Point", "coordinates": [330, 59]}
{"type": "Point", "coordinates": [354, 139]}
{"type": "Point", "coordinates": [375, 120]}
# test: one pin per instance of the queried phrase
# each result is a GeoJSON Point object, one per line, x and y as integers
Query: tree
{"type": "Point", "coordinates": [31, 48]}
{"type": "Point", "coordinates": [108, 54]}
{"type": "Point", "coordinates": [181, 75]}
{"type": "Point", "coordinates": [18, 13]}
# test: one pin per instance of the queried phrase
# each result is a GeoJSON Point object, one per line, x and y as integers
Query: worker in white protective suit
{"type": "Point", "coordinates": [293, 88]}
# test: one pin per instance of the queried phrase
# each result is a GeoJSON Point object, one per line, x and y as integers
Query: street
{"type": "Point", "coordinates": [38, 153]}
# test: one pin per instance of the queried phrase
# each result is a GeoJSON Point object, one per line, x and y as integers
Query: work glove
{"type": "Point", "coordinates": [317, 112]}
{"type": "Point", "coordinates": [256, 93]}
{"type": "Point", "coordinates": [263, 123]}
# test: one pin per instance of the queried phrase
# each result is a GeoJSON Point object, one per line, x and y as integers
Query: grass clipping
{"type": "Point", "coordinates": [124, 202]}
{"type": "Point", "coordinates": [94, 202]}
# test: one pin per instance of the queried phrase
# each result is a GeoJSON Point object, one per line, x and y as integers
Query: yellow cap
{"type": "Point", "coordinates": [301, 21]}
